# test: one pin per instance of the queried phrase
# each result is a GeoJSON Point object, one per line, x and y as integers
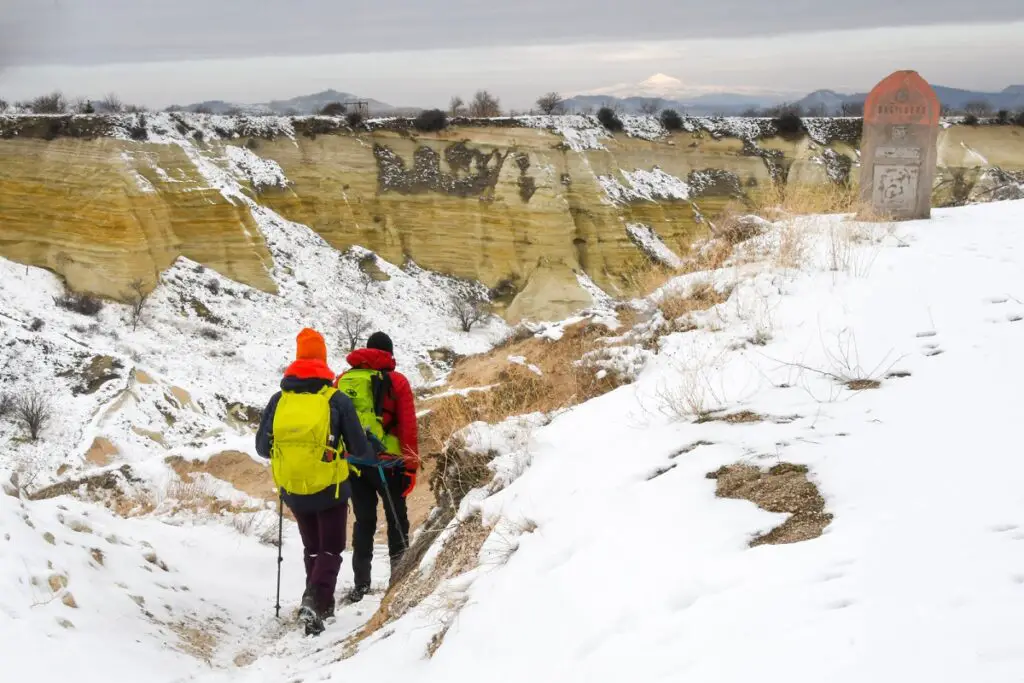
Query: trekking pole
{"type": "Point", "coordinates": [280, 559]}
{"type": "Point", "coordinates": [391, 504]}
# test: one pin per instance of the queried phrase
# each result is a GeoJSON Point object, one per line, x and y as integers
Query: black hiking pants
{"type": "Point", "coordinates": [367, 489]}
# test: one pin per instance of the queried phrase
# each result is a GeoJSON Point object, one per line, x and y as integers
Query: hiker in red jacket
{"type": "Point", "coordinates": [384, 402]}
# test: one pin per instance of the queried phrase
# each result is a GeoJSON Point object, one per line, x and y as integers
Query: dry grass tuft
{"type": "Point", "coordinates": [862, 384]}
{"type": "Point", "coordinates": [675, 305]}
{"type": "Point", "coordinates": [784, 488]}
{"type": "Point", "coordinates": [564, 381]}
{"type": "Point", "coordinates": [743, 417]}
{"type": "Point", "coordinates": [778, 201]}
{"type": "Point", "coordinates": [794, 246]}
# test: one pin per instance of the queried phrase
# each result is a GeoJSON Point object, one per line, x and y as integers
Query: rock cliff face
{"type": "Point", "coordinates": [531, 207]}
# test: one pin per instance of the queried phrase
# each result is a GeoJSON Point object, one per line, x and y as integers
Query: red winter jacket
{"type": "Point", "coordinates": [398, 408]}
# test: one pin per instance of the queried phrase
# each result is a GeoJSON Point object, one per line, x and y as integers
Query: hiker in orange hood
{"type": "Point", "coordinates": [318, 426]}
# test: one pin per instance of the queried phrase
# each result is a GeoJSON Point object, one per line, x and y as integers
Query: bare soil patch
{"type": "Point", "coordinates": [784, 488]}
{"type": "Point", "coordinates": [234, 467]}
{"type": "Point", "coordinates": [101, 452]}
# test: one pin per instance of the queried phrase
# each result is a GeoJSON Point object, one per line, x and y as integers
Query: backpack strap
{"type": "Point", "coordinates": [338, 447]}
{"type": "Point", "coordinates": [381, 386]}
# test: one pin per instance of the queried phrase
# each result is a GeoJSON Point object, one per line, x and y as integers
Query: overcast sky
{"type": "Point", "coordinates": [413, 52]}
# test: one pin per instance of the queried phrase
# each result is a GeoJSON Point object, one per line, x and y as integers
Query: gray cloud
{"type": "Point", "coordinates": [36, 32]}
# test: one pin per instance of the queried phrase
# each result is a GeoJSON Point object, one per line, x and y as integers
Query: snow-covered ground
{"type": "Point", "coordinates": [919, 576]}
{"type": "Point", "coordinates": [611, 556]}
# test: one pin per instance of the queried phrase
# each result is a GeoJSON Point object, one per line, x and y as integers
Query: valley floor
{"type": "Point", "coordinates": [886, 360]}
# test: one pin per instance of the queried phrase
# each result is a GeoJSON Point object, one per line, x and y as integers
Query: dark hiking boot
{"type": "Point", "coordinates": [309, 617]}
{"type": "Point", "coordinates": [356, 594]}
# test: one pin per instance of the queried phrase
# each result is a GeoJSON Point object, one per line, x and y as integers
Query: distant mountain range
{"type": "Point", "coordinates": [664, 91]}
{"type": "Point", "coordinates": [302, 105]}
{"type": "Point", "coordinates": [672, 93]}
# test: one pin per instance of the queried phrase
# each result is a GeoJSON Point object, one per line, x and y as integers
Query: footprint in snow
{"type": "Point", "coordinates": [1015, 317]}
{"type": "Point", "coordinates": [1004, 528]}
{"type": "Point", "coordinates": [928, 333]}
{"type": "Point", "coordinates": [932, 350]}
{"type": "Point", "coordinates": [1018, 579]}
{"type": "Point", "coordinates": [998, 300]}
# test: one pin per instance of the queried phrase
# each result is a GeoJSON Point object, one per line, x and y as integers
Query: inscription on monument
{"type": "Point", "coordinates": [899, 147]}
{"type": "Point", "coordinates": [895, 188]}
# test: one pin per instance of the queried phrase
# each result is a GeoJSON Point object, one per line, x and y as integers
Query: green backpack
{"type": "Point", "coordinates": [302, 458]}
{"type": "Point", "coordinates": [366, 388]}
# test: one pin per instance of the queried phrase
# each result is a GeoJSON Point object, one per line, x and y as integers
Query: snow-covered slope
{"type": "Point", "coordinates": [635, 568]}
{"type": "Point", "coordinates": [884, 359]}
{"type": "Point", "coordinates": [207, 352]}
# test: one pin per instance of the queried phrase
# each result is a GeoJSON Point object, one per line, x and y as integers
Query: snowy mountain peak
{"type": "Point", "coordinates": [664, 82]}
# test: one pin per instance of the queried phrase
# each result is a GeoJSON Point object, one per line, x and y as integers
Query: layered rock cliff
{"type": "Point", "coordinates": [535, 208]}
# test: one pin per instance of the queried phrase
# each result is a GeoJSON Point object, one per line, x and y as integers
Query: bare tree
{"type": "Point", "coordinates": [136, 302]}
{"type": "Point", "coordinates": [469, 309]}
{"type": "Point", "coordinates": [818, 110]}
{"type": "Point", "coordinates": [456, 107]}
{"type": "Point", "coordinates": [484, 105]}
{"type": "Point", "coordinates": [551, 103]}
{"type": "Point", "coordinates": [54, 103]}
{"type": "Point", "coordinates": [353, 327]}
{"type": "Point", "coordinates": [112, 103]}
{"type": "Point", "coordinates": [650, 106]}
{"type": "Point", "coordinates": [978, 108]}
{"type": "Point", "coordinates": [852, 109]}
{"type": "Point", "coordinates": [33, 410]}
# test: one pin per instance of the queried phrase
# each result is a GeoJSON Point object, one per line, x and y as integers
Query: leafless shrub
{"type": "Point", "coordinates": [211, 333]}
{"type": "Point", "coordinates": [36, 325]}
{"type": "Point", "coordinates": [54, 103]}
{"type": "Point", "coordinates": [484, 105]}
{"type": "Point", "coordinates": [6, 404]}
{"type": "Point", "coordinates": [430, 121]}
{"type": "Point", "coordinates": [136, 298]}
{"type": "Point", "coordinates": [550, 103]}
{"type": "Point", "coordinates": [456, 107]}
{"type": "Point", "coordinates": [333, 109]}
{"type": "Point", "coordinates": [852, 109]}
{"type": "Point", "coordinates": [978, 108]}
{"type": "Point", "coordinates": [111, 103]}
{"type": "Point", "coordinates": [671, 120]}
{"type": "Point", "coordinates": [845, 367]}
{"type": "Point", "coordinates": [80, 105]}
{"type": "Point", "coordinates": [34, 412]}
{"type": "Point", "coordinates": [469, 309]}
{"type": "Point", "coordinates": [650, 107]}
{"type": "Point", "coordinates": [84, 304]}
{"type": "Point", "coordinates": [609, 119]}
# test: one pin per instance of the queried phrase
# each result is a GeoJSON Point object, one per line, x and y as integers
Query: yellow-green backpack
{"type": "Point", "coordinates": [366, 388]}
{"type": "Point", "coordinates": [303, 459]}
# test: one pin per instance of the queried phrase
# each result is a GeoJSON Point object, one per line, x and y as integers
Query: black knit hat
{"type": "Point", "coordinates": [381, 342]}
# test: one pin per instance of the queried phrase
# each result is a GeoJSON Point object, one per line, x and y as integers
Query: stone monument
{"type": "Point", "coordinates": [899, 147]}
